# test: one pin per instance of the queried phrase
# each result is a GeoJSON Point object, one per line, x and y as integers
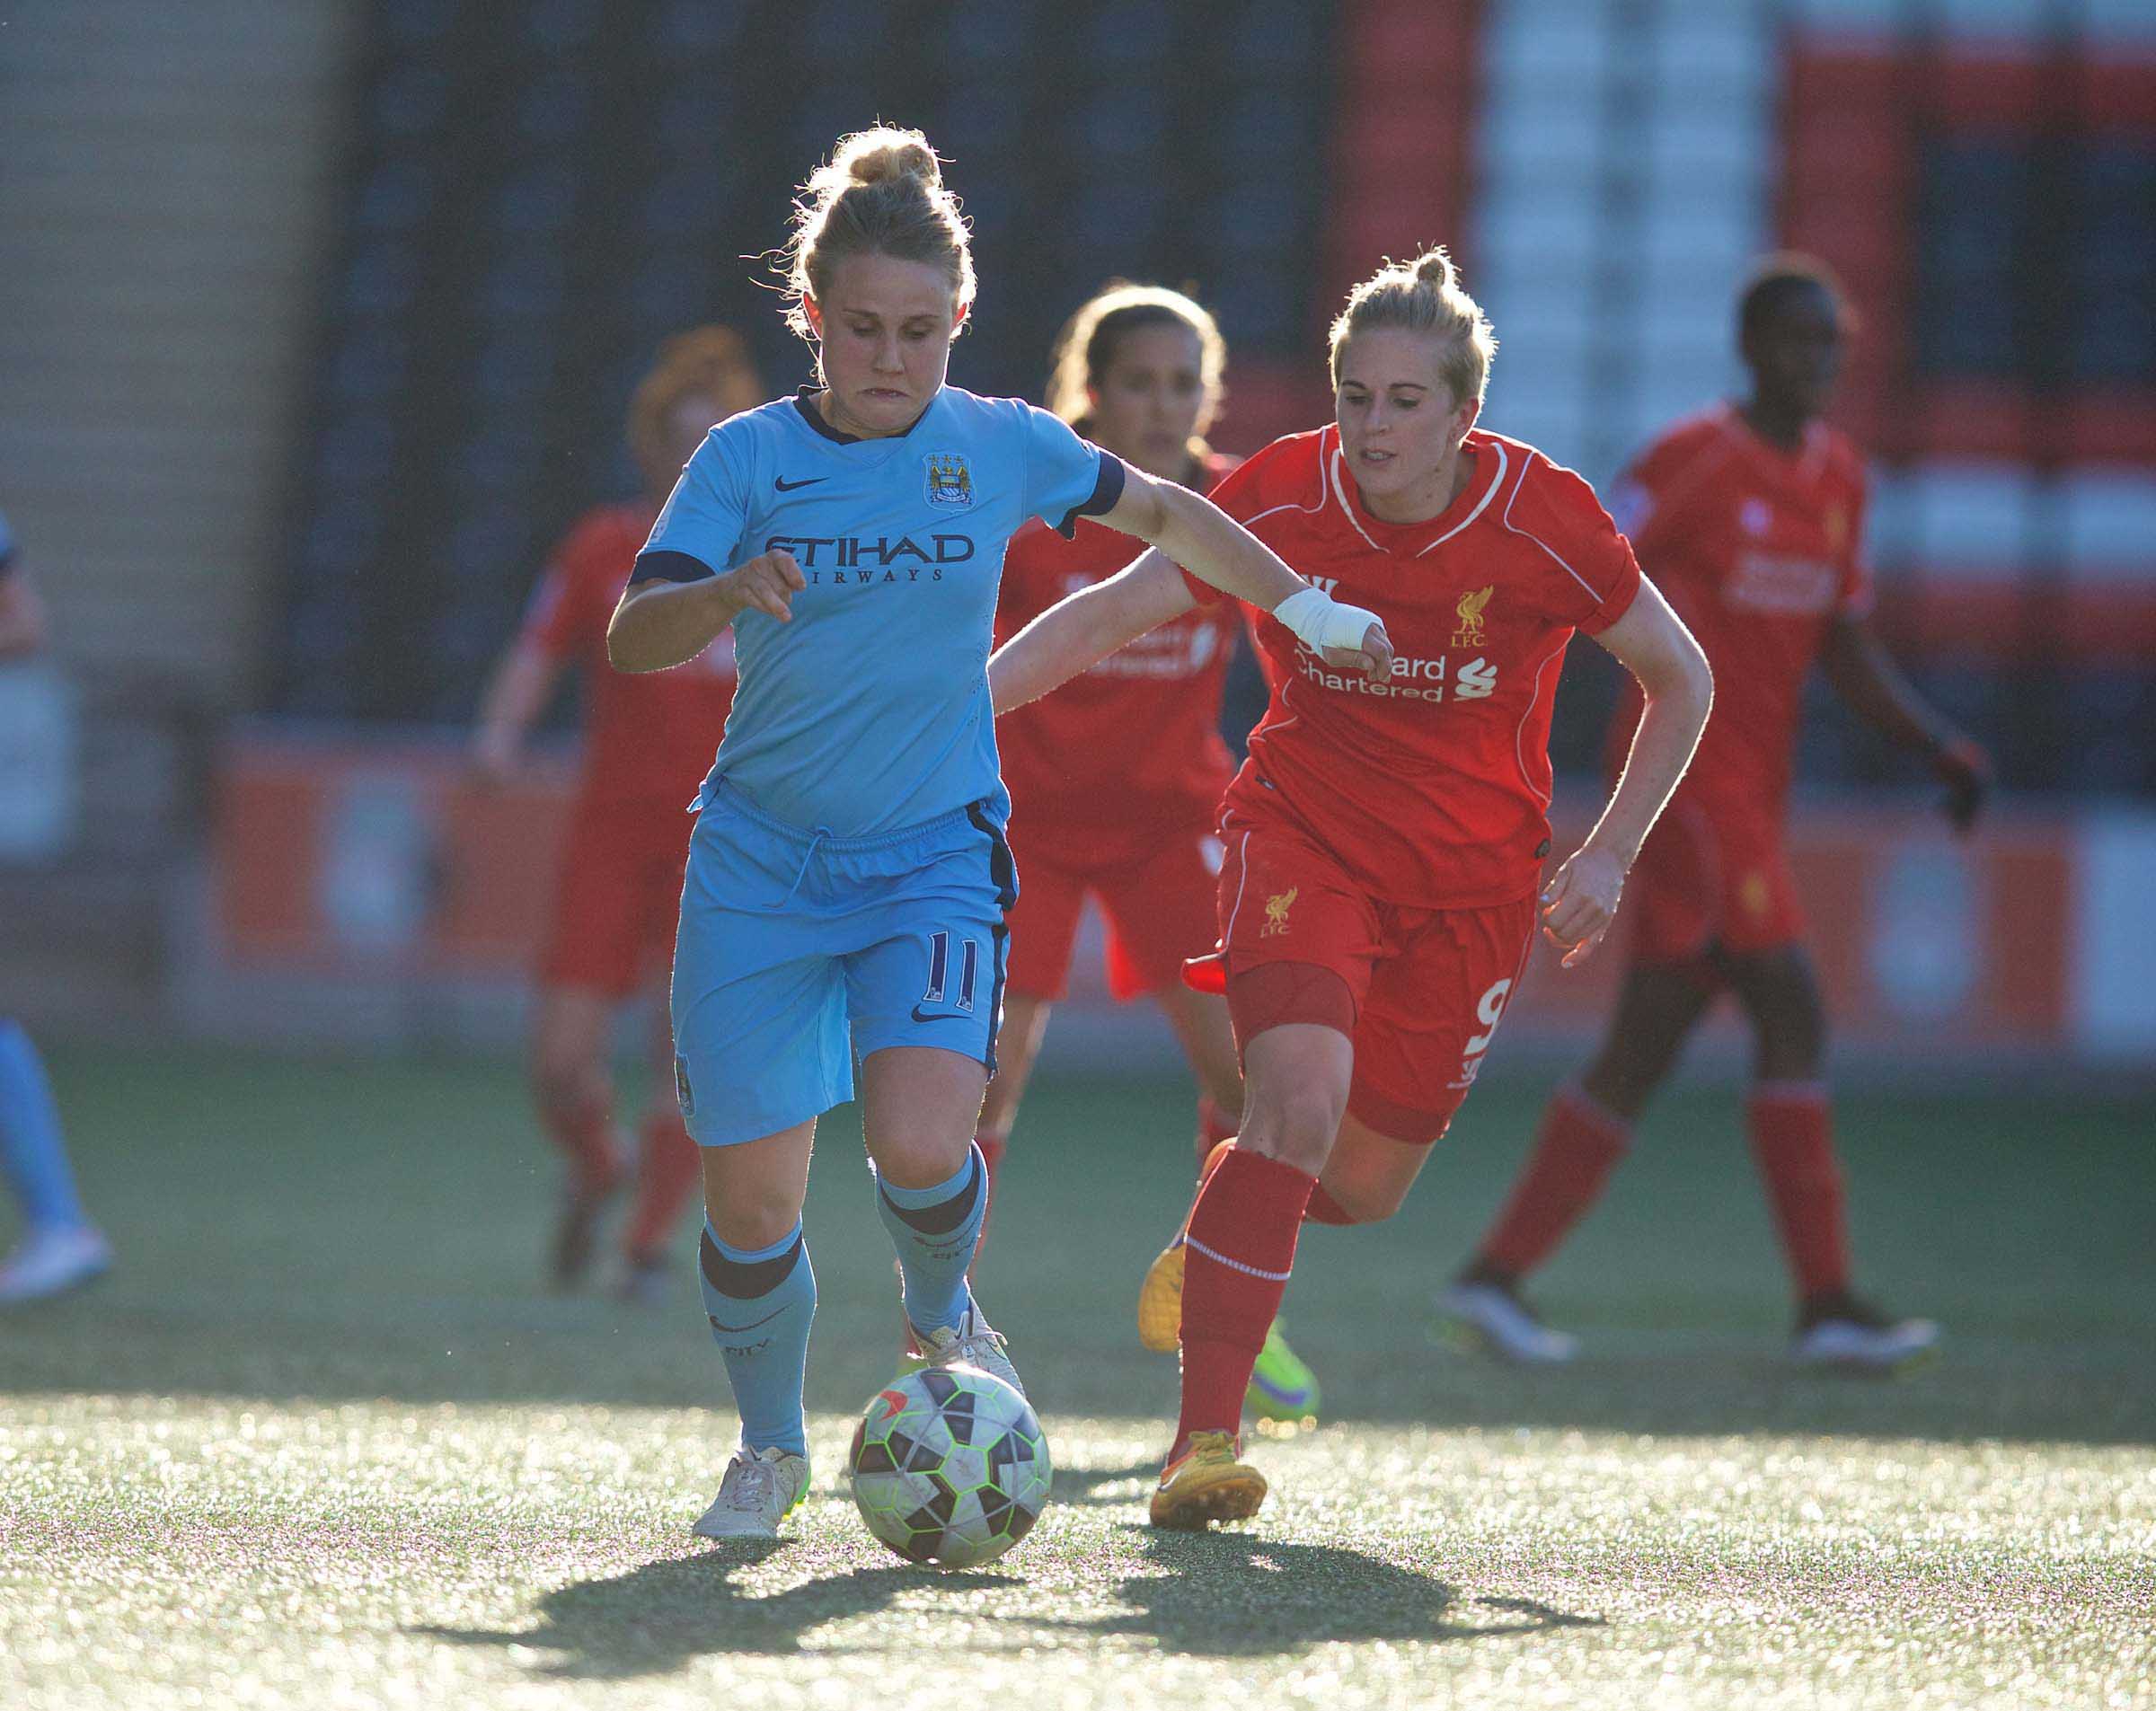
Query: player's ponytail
{"type": "Point", "coordinates": [710, 363]}
{"type": "Point", "coordinates": [880, 193]}
{"type": "Point", "coordinates": [1085, 349]}
{"type": "Point", "coordinates": [1423, 295]}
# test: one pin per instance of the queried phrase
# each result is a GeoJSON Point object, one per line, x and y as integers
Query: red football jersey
{"type": "Point", "coordinates": [1759, 550]}
{"type": "Point", "coordinates": [646, 734]}
{"type": "Point", "coordinates": [1430, 789]}
{"type": "Point", "coordinates": [1135, 742]}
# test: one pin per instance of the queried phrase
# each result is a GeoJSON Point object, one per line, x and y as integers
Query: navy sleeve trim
{"type": "Point", "coordinates": [669, 567]}
{"type": "Point", "coordinates": [1107, 488]}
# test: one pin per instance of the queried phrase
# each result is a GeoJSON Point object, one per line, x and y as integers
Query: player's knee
{"type": "Point", "coordinates": [749, 1222]}
{"type": "Point", "coordinates": [748, 1214]}
{"type": "Point", "coordinates": [1792, 1032]}
{"type": "Point", "coordinates": [570, 1087]}
{"type": "Point", "coordinates": [1296, 1126]}
{"type": "Point", "coordinates": [921, 1158]}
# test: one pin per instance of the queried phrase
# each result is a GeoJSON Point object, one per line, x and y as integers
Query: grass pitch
{"type": "Point", "coordinates": [319, 1440]}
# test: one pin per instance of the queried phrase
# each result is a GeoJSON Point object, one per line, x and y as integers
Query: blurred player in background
{"type": "Point", "coordinates": [1116, 778]}
{"type": "Point", "coordinates": [59, 1247]}
{"type": "Point", "coordinates": [617, 894]}
{"type": "Point", "coordinates": [848, 876]}
{"type": "Point", "coordinates": [1750, 518]}
{"type": "Point", "coordinates": [1385, 839]}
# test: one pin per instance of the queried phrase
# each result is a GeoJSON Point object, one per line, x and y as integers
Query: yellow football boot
{"type": "Point", "coordinates": [1160, 1301]}
{"type": "Point", "coordinates": [1206, 1484]}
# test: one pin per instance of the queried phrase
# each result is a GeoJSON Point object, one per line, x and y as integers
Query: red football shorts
{"type": "Point", "coordinates": [1157, 892]}
{"type": "Point", "coordinates": [617, 896]}
{"type": "Point", "coordinates": [1711, 876]}
{"type": "Point", "coordinates": [1418, 991]}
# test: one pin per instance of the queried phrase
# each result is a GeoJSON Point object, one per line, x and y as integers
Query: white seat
{"type": "Point", "coordinates": [2119, 21]}
{"type": "Point", "coordinates": [1568, 39]}
{"type": "Point", "coordinates": [1972, 517]}
{"type": "Point", "coordinates": [1519, 232]}
{"type": "Point", "coordinates": [1561, 128]}
{"type": "Point", "coordinates": [2111, 526]}
{"type": "Point", "coordinates": [1893, 528]}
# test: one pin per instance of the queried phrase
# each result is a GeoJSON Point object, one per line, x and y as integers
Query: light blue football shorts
{"type": "Point", "coordinates": [798, 952]}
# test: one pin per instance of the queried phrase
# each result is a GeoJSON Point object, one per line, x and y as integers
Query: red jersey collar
{"type": "Point", "coordinates": [1805, 462]}
{"type": "Point", "coordinates": [1492, 457]}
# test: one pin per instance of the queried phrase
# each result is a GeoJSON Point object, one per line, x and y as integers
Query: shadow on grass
{"type": "Point", "coordinates": [1086, 1488]}
{"type": "Point", "coordinates": [1208, 1595]}
{"type": "Point", "coordinates": [653, 1619]}
{"type": "Point", "coordinates": [1229, 1594]}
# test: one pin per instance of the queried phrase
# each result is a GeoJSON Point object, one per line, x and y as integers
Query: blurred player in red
{"type": "Point", "coordinates": [1116, 778]}
{"type": "Point", "coordinates": [1385, 839]}
{"type": "Point", "coordinates": [1750, 519]}
{"type": "Point", "coordinates": [647, 743]}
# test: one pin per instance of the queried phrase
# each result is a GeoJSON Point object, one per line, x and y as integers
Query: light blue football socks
{"type": "Point", "coordinates": [34, 1156]}
{"type": "Point", "coordinates": [935, 1230]}
{"type": "Point", "coordinates": [760, 1302]}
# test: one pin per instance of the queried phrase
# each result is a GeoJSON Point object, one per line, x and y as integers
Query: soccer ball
{"type": "Point", "coordinates": [949, 1466]}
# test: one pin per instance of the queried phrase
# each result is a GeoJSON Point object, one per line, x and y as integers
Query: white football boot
{"type": "Point", "coordinates": [970, 1343]}
{"type": "Point", "coordinates": [1490, 1318]}
{"type": "Point", "coordinates": [50, 1262]}
{"type": "Point", "coordinates": [1840, 1333]}
{"type": "Point", "coordinates": [761, 1488]}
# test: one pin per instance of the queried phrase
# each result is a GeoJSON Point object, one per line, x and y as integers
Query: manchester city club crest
{"type": "Point", "coordinates": [949, 481]}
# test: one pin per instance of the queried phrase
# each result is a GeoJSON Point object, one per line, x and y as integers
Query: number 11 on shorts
{"type": "Point", "coordinates": [939, 969]}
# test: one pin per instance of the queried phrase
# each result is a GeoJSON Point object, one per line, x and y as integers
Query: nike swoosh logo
{"type": "Point", "coordinates": [785, 486]}
{"type": "Point", "coordinates": [921, 1015]}
{"type": "Point", "coordinates": [718, 1325]}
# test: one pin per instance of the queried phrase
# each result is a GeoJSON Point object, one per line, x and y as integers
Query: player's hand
{"type": "Point", "coordinates": [1373, 658]}
{"type": "Point", "coordinates": [1580, 901]}
{"type": "Point", "coordinates": [767, 584]}
{"type": "Point", "coordinates": [1966, 769]}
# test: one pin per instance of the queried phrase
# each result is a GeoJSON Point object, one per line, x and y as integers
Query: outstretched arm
{"type": "Point", "coordinates": [1085, 627]}
{"type": "Point", "coordinates": [1184, 529]}
{"type": "Point", "coordinates": [1864, 675]}
{"type": "Point", "coordinates": [1651, 642]}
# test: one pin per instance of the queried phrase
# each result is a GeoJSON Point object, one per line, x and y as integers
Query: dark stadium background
{"type": "Point", "coordinates": [319, 322]}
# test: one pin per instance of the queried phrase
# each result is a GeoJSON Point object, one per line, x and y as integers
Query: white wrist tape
{"type": "Point", "coordinates": [1319, 622]}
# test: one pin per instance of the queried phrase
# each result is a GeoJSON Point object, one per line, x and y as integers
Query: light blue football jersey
{"type": "Point", "coordinates": [870, 711]}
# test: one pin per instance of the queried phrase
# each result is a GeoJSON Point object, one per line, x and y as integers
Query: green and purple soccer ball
{"type": "Point", "coordinates": [949, 1466]}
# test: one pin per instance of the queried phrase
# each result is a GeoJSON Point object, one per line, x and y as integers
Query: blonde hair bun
{"type": "Point", "coordinates": [872, 157]}
{"type": "Point", "coordinates": [1434, 267]}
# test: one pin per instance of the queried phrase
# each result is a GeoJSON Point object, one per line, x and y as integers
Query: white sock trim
{"type": "Point", "coordinates": [1235, 1265]}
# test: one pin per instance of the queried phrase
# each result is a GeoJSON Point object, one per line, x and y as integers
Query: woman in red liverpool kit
{"type": "Point", "coordinates": [1751, 516]}
{"type": "Point", "coordinates": [1385, 839]}
{"type": "Point", "coordinates": [1116, 778]}
{"type": "Point", "coordinates": [647, 743]}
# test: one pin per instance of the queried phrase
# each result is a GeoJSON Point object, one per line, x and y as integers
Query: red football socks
{"type": "Point", "coordinates": [1239, 1248]}
{"type": "Point", "coordinates": [1793, 1139]}
{"type": "Point", "coordinates": [669, 1175]}
{"type": "Point", "coordinates": [1579, 1145]}
{"type": "Point", "coordinates": [1323, 1209]}
{"type": "Point", "coordinates": [585, 1134]}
